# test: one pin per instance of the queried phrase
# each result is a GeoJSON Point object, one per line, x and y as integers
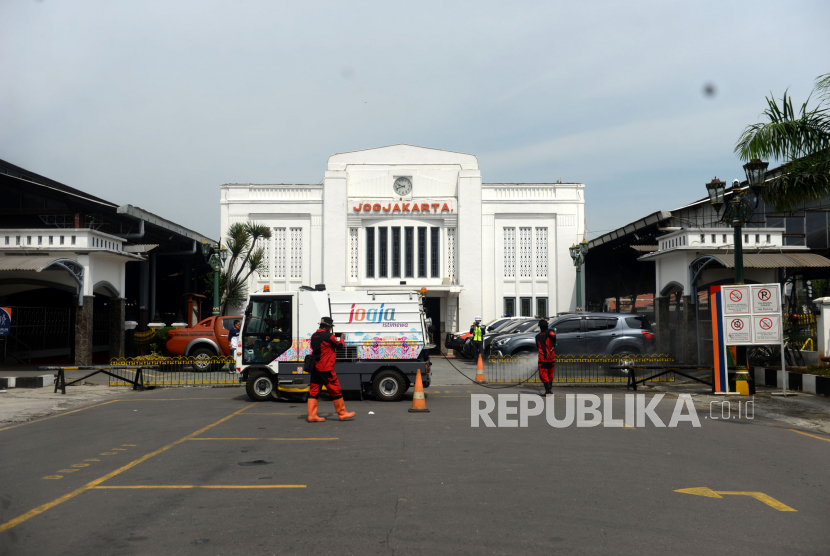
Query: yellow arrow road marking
{"type": "Point", "coordinates": [709, 493]}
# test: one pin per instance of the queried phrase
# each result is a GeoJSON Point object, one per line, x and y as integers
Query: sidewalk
{"type": "Point", "coordinates": [33, 370]}
{"type": "Point", "coordinates": [19, 405]}
{"type": "Point", "coordinates": [801, 411]}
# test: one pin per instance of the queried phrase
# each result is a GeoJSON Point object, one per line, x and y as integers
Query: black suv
{"type": "Point", "coordinates": [588, 333]}
{"type": "Point", "coordinates": [514, 326]}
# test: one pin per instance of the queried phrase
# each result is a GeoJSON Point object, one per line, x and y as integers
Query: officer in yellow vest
{"type": "Point", "coordinates": [477, 330]}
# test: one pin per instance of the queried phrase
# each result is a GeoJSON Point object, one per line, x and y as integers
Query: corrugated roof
{"type": "Point", "coordinates": [646, 248]}
{"type": "Point", "coordinates": [27, 263]}
{"type": "Point", "coordinates": [776, 260]}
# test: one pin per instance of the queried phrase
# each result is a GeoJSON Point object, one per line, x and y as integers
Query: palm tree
{"type": "Point", "coordinates": [245, 259]}
{"type": "Point", "coordinates": [800, 140]}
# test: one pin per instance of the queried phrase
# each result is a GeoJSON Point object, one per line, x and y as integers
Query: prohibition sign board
{"type": "Point", "coordinates": [735, 300]}
{"type": "Point", "coordinates": [766, 329]}
{"type": "Point", "coordinates": [5, 320]}
{"type": "Point", "coordinates": [766, 298]}
{"type": "Point", "coordinates": [737, 330]}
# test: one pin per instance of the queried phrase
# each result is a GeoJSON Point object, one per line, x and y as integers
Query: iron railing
{"type": "Point", "coordinates": [176, 371]}
{"type": "Point", "coordinates": [585, 369]}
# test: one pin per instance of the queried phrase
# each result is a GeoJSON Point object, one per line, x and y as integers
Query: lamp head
{"type": "Point", "coordinates": [756, 173]}
{"type": "Point", "coordinates": [583, 246]}
{"type": "Point", "coordinates": [205, 248]}
{"type": "Point", "coordinates": [574, 250]}
{"type": "Point", "coordinates": [716, 189]}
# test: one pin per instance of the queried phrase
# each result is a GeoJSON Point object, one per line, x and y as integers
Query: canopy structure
{"type": "Point", "coordinates": [39, 264]}
{"type": "Point", "coordinates": [774, 260]}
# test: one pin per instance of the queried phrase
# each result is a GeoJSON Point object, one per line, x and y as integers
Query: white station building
{"type": "Point", "coordinates": [402, 218]}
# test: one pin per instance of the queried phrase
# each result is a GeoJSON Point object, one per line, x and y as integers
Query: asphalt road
{"type": "Point", "coordinates": [146, 474]}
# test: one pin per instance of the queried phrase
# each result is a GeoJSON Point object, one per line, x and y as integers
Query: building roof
{"type": "Point", "coordinates": [24, 178]}
{"type": "Point", "coordinates": [150, 218]}
{"type": "Point", "coordinates": [650, 220]}
{"type": "Point", "coordinates": [402, 155]}
{"type": "Point", "coordinates": [775, 260]}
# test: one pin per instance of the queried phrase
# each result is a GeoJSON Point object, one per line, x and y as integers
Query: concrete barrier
{"type": "Point", "coordinates": [807, 383]}
{"type": "Point", "coordinates": [7, 382]}
{"type": "Point", "coordinates": [35, 381]}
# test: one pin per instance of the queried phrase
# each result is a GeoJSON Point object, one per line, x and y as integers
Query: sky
{"type": "Point", "coordinates": [158, 103]}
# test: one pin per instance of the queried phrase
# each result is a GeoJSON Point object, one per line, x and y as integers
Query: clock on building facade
{"type": "Point", "coordinates": [402, 187]}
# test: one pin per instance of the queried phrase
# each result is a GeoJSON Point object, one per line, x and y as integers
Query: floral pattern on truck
{"type": "Point", "coordinates": [402, 347]}
{"type": "Point", "coordinates": [297, 351]}
{"type": "Point", "coordinates": [389, 348]}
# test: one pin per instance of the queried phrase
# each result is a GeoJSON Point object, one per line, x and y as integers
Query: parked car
{"type": "Point", "coordinates": [589, 333]}
{"type": "Point", "coordinates": [456, 340]}
{"type": "Point", "coordinates": [516, 325]}
{"type": "Point", "coordinates": [207, 339]}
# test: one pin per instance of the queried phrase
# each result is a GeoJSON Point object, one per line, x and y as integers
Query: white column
{"type": "Point", "coordinates": [469, 253]}
{"type": "Point", "coordinates": [335, 236]}
{"type": "Point", "coordinates": [315, 252]}
{"type": "Point", "coordinates": [491, 306]}
{"type": "Point", "coordinates": [823, 331]}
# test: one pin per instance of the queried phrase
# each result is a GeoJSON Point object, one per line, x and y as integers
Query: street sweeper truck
{"type": "Point", "coordinates": [385, 336]}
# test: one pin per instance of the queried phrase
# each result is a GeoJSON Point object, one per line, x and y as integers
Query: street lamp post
{"type": "Point", "coordinates": [216, 260]}
{"type": "Point", "coordinates": [736, 213]}
{"type": "Point", "coordinates": [578, 253]}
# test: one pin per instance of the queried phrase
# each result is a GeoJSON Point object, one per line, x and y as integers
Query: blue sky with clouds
{"type": "Point", "coordinates": [157, 103]}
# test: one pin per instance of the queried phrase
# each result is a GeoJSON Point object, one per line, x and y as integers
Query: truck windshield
{"type": "Point", "coordinates": [268, 329]}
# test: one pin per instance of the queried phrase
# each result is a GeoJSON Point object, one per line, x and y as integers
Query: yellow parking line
{"type": "Point", "coordinates": [58, 415]}
{"type": "Point", "coordinates": [42, 508]}
{"type": "Point", "coordinates": [171, 399]}
{"type": "Point", "coordinates": [811, 435]}
{"type": "Point", "coordinates": [275, 414]}
{"type": "Point", "coordinates": [263, 439]}
{"type": "Point", "coordinates": [195, 486]}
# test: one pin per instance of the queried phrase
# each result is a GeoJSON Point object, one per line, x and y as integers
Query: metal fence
{"type": "Point", "coordinates": [570, 368]}
{"type": "Point", "coordinates": [39, 332]}
{"type": "Point", "coordinates": [176, 371]}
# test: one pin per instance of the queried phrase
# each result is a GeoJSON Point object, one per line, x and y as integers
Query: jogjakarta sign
{"type": "Point", "coordinates": [376, 207]}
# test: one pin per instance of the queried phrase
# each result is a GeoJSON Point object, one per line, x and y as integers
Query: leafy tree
{"type": "Point", "coordinates": [244, 258]}
{"type": "Point", "coordinates": [800, 140]}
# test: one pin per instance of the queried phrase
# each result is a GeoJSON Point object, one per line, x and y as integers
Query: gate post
{"type": "Point", "coordinates": [117, 326]}
{"type": "Point", "coordinates": [83, 332]}
{"type": "Point", "coordinates": [689, 350]}
{"type": "Point", "coordinates": [662, 324]}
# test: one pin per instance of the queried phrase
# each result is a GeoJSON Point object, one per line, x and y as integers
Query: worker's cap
{"type": "Point", "coordinates": [478, 319]}
{"type": "Point", "coordinates": [327, 321]}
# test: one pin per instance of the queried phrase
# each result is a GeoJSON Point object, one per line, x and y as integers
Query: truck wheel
{"type": "Point", "coordinates": [201, 358]}
{"type": "Point", "coordinates": [388, 386]}
{"type": "Point", "coordinates": [259, 386]}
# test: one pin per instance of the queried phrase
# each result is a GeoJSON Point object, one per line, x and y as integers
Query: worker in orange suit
{"type": "Point", "coordinates": [324, 346]}
{"type": "Point", "coordinates": [546, 344]}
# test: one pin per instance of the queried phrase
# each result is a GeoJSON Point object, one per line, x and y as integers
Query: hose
{"type": "Point", "coordinates": [536, 372]}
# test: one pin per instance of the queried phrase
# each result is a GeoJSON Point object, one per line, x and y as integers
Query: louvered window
{"type": "Point", "coordinates": [525, 252]}
{"type": "Point", "coordinates": [353, 253]}
{"type": "Point", "coordinates": [451, 254]}
{"type": "Point", "coordinates": [279, 252]}
{"type": "Point", "coordinates": [296, 252]}
{"type": "Point", "coordinates": [541, 252]}
{"type": "Point", "coordinates": [509, 252]}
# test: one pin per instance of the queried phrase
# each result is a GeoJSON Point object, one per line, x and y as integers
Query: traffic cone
{"type": "Point", "coordinates": [419, 403]}
{"type": "Point", "coordinates": [480, 371]}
